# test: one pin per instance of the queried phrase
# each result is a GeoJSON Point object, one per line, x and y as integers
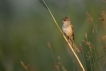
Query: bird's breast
{"type": "Point", "coordinates": [67, 30]}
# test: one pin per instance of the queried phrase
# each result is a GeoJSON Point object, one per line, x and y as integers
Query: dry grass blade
{"type": "Point", "coordinates": [26, 67]}
{"type": "Point", "coordinates": [43, 3]}
{"type": "Point", "coordinates": [64, 37]}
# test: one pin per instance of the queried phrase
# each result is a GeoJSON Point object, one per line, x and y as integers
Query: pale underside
{"type": "Point", "coordinates": [67, 30]}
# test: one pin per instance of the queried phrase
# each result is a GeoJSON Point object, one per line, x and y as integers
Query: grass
{"type": "Point", "coordinates": [44, 3]}
{"type": "Point", "coordinates": [90, 61]}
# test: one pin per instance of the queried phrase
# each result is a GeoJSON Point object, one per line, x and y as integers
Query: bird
{"type": "Point", "coordinates": [68, 30]}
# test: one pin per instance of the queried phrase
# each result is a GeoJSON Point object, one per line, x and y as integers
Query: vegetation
{"type": "Point", "coordinates": [30, 40]}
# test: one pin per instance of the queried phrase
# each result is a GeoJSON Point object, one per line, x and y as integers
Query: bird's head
{"type": "Point", "coordinates": [66, 20]}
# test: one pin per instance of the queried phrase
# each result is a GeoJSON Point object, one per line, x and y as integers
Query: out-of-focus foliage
{"type": "Point", "coordinates": [26, 28]}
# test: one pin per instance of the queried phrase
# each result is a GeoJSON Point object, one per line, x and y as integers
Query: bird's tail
{"type": "Point", "coordinates": [74, 46]}
{"type": "Point", "coordinates": [71, 42]}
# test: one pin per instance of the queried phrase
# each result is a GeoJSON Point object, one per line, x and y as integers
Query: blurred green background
{"type": "Point", "coordinates": [27, 31]}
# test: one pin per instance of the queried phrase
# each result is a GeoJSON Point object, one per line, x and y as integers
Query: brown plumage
{"type": "Point", "coordinates": [68, 29]}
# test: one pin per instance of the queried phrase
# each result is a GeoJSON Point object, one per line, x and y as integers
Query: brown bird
{"type": "Point", "coordinates": [68, 30]}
